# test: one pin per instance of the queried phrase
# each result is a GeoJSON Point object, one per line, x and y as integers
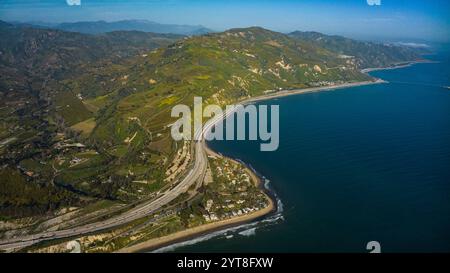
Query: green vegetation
{"type": "Point", "coordinates": [366, 54]}
{"type": "Point", "coordinates": [19, 197]}
{"type": "Point", "coordinates": [70, 108]}
{"type": "Point", "coordinates": [85, 117]}
{"type": "Point", "coordinates": [44, 115]}
{"type": "Point", "coordinates": [85, 127]}
{"type": "Point", "coordinates": [230, 193]}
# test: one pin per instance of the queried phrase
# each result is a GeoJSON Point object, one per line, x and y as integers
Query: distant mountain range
{"type": "Point", "coordinates": [43, 56]}
{"type": "Point", "coordinates": [97, 27]}
{"type": "Point", "coordinates": [367, 54]}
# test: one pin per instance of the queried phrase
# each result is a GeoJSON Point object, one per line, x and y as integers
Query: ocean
{"type": "Point", "coordinates": [369, 163]}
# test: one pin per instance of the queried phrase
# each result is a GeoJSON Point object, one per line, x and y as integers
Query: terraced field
{"type": "Point", "coordinates": [85, 119]}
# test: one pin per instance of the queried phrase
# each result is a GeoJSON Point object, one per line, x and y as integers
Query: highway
{"type": "Point", "coordinates": [197, 172]}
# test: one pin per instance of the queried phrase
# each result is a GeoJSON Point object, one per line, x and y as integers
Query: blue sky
{"type": "Point", "coordinates": [393, 19]}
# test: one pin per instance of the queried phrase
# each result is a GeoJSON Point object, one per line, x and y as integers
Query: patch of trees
{"type": "Point", "coordinates": [19, 198]}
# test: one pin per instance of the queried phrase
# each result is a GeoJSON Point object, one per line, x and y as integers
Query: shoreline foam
{"type": "Point", "coordinates": [191, 233]}
{"type": "Point", "coordinates": [235, 222]}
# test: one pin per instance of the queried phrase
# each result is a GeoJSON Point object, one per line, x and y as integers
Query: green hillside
{"type": "Point", "coordinates": [37, 108]}
{"type": "Point", "coordinates": [367, 54]}
{"type": "Point", "coordinates": [88, 115]}
{"type": "Point", "coordinates": [222, 68]}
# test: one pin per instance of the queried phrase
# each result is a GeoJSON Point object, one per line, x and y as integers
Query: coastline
{"type": "Point", "coordinates": [194, 232]}
{"type": "Point", "coordinates": [397, 66]}
{"type": "Point", "coordinates": [187, 234]}
{"type": "Point", "coordinates": [191, 233]}
{"type": "Point", "coordinates": [285, 93]}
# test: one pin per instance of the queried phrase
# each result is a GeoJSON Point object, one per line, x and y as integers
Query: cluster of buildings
{"type": "Point", "coordinates": [229, 210]}
{"type": "Point", "coordinates": [237, 194]}
{"type": "Point", "coordinates": [325, 83]}
{"type": "Point", "coordinates": [180, 162]}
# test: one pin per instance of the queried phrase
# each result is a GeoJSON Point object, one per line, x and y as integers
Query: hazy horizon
{"type": "Point", "coordinates": [392, 20]}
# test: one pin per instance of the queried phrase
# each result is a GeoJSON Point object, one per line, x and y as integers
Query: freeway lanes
{"type": "Point", "coordinates": [197, 172]}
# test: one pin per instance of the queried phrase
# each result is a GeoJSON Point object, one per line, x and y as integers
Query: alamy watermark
{"type": "Point", "coordinates": [73, 2]}
{"type": "Point", "coordinates": [374, 247]}
{"type": "Point", "coordinates": [374, 2]}
{"type": "Point", "coordinates": [236, 117]}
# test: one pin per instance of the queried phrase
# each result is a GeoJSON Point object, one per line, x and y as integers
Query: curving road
{"type": "Point", "coordinates": [197, 172]}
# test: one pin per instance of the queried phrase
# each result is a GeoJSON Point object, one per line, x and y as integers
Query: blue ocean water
{"type": "Point", "coordinates": [362, 164]}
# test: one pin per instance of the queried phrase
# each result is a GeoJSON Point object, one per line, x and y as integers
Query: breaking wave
{"type": "Point", "coordinates": [225, 233]}
{"type": "Point", "coordinates": [248, 232]}
{"type": "Point", "coordinates": [248, 229]}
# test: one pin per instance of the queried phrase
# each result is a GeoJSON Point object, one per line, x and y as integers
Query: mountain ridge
{"type": "Point", "coordinates": [369, 54]}
{"type": "Point", "coordinates": [101, 26]}
{"type": "Point", "coordinates": [96, 92]}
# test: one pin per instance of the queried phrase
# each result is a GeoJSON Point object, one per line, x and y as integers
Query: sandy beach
{"type": "Point", "coordinates": [191, 233]}
{"type": "Point", "coordinates": [285, 93]}
{"type": "Point", "coordinates": [396, 66]}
